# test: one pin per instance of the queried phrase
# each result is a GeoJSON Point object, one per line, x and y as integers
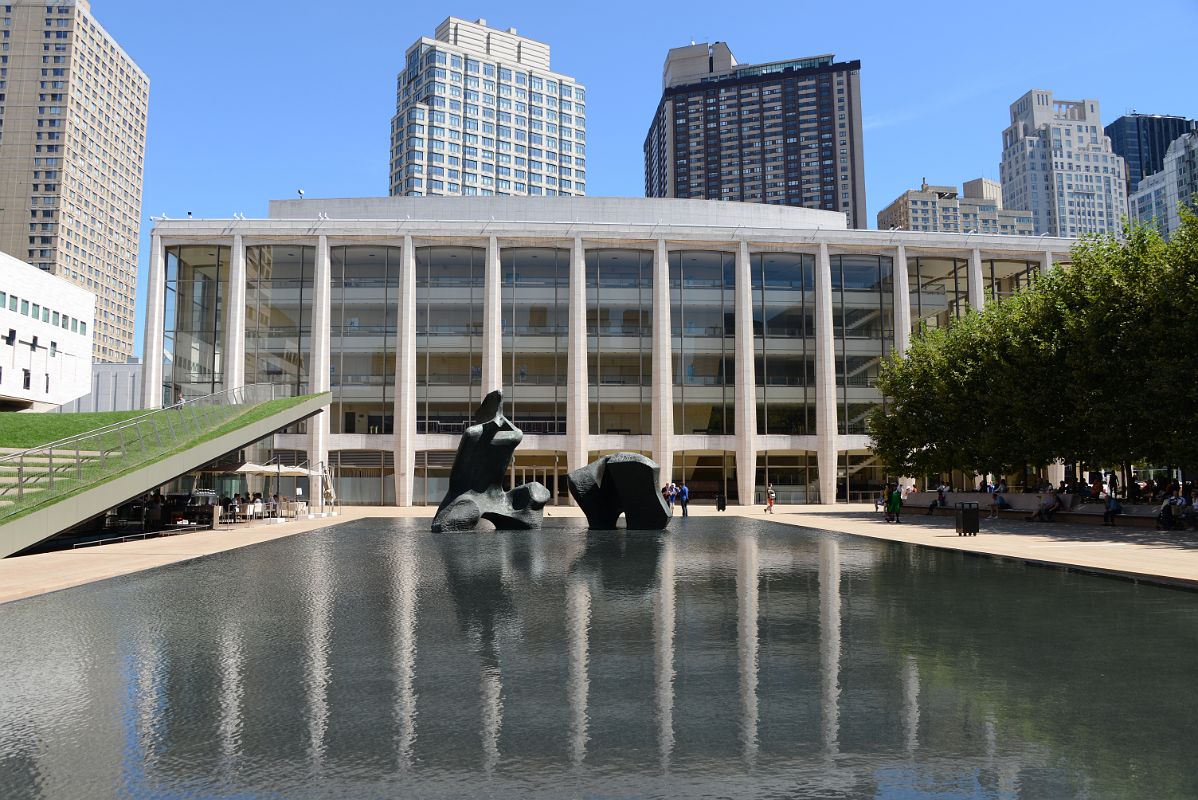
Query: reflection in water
{"type": "Point", "coordinates": [747, 569]}
{"type": "Point", "coordinates": [404, 584]}
{"type": "Point", "coordinates": [318, 605]}
{"type": "Point", "coordinates": [578, 615]}
{"type": "Point", "coordinates": [231, 662]}
{"type": "Point", "coordinates": [911, 703]}
{"type": "Point", "coordinates": [663, 654]}
{"type": "Point", "coordinates": [377, 660]}
{"type": "Point", "coordinates": [829, 642]}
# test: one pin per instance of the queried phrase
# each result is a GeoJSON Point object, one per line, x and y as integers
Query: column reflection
{"type": "Point", "coordinates": [231, 665]}
{"type": "Point", "coordinates": [829, 642]}
{"type": "Point", "coordinates": [405, 593]}
{"type": "Point", "coordinates": [318, 605]}
{"type": "Point", "coordinates": [911, 703]}
{"type": "Point", "coordinates": [663, 635]}
{"type": "Point", "coordinates": [748, 567]}
{"type": "Point", "coordinates": [578, 616]}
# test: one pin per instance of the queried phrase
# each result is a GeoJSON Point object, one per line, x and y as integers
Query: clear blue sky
{"type": "Point", "coordinates": [251, 100]}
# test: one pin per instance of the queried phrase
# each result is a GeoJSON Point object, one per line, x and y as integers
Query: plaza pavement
{"type": "Point", "coordinates": [1165, 557]}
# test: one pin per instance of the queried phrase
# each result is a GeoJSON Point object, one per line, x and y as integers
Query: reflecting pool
{"type": "Point", "coordinates": [721, 658]}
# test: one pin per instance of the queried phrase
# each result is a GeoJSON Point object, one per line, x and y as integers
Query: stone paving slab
{"type": "Point", "coordinates": [1164, 557]}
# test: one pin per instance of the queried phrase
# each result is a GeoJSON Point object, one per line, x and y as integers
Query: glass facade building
{"type": "Point", "coordinates": [738, 345]}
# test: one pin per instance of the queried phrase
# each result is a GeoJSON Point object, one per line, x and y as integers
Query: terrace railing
{"type": "Point", "coordinates": [41, 474]}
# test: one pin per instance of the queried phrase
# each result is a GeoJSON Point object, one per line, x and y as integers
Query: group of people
{"type": "Point", "coordinates": [235, 506]}
{"type": "Point", "coordinates": [675, 493]}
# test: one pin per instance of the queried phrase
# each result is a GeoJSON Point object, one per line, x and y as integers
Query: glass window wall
{"type": "Point", "coordinates": [939, 290]}
{"type": "Point", "coordinates": [1002, 278]}
{"type": "Point", "coordinates": [449, 336]}
{"type": "Point", "coordinates": [863, 330]}
{"type": "Point", "coordinates": [702, 318]}
{"type": "Point", "coordinates": [620, 340]}
{"type": "Point", "coordinates": [535, 297]}
{"type": "Point", "coordinates": [784, 341]}
{"type": "Point", "coordinates": [278, 314]}
{"type": "Point", "coordinates": [195, 316]}
{"type": "Point", "coordinates": [365, 293]}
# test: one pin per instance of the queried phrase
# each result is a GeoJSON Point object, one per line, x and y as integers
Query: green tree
{"type": "Point", "coordinates": [1093, 363]}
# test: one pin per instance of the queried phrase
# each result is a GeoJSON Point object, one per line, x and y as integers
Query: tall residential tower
{"type": "Point", "coordinates": [1143, 140]}
{"type": "Point", "coordinates": [1058, 164]}
{"type": "Point", "coordinates": [72, 150]}
{"type": "Point", "coordinates": [786, 132]}
{"type": "Point", "coordinates": [479, 112]}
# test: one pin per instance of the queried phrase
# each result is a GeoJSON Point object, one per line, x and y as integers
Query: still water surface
{"type": "Point", "coordinates": [723, 658]}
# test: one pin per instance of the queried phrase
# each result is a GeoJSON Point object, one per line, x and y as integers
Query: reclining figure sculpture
{"type": "Point", "coordinates": [620, 483]}
{"type": "Point", "coordinates": [475, 482]}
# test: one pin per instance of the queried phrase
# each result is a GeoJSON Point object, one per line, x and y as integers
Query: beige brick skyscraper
{"type": "Point", "coordinates": [72, 150]}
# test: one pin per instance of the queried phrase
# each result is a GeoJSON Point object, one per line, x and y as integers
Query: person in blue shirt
{"type": "Point", "coordinates": [684, 496]}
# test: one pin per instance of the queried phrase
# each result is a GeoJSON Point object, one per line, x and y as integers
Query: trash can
{"type": "Point", "coordinates": [967, 519]}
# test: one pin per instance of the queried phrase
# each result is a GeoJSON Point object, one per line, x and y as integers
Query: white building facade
{"type": "Point", "coordinates": [1157, 200]}
{"type": "Point", "coordinates": [46, 329]}
{"type": "Point", "coordinates": [1058, 163]}
{"type": "Point", "coordinates": [479, 112]}
{"type": "Point", "coordinates": [736, 344]}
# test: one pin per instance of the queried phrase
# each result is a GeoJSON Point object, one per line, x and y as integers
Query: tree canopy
{"type": "Point", "coordinates": [1095, 362]}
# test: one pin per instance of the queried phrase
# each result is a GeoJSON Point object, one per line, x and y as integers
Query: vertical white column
{"type": "Point", "coordinates": [748, 570]}
{"type": "Point", "coordinates": [405, 379]}
{"type": "Point", "coordinates": [745, 381]}
{"type": "Point", "coordinates": [826, 435]}
{"type": "Point", "coordinates": [902, 301]}
{"type": "Point", "coordinates": [234, 351]}
{"type": "Point", "coordinates": [829, 643]}
{"type": "Point", "coordinates": [492, 322]}
{"type": "Point", "coordinates": [578, 417]}
{"type": "Point", "coordinates": [1046, 262]}
{"type": "Point", "coordinates": [152, 336]}
{"type": "Point", "coordinates": [663, 366]}
{"type": "Point", "coordinates": [318, 374]}
{"type": "Point", "coordinates": [977, 297]}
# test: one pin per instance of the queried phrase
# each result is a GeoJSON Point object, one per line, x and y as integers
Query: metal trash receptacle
{"type": "Point", "coordinates": [968, 519]}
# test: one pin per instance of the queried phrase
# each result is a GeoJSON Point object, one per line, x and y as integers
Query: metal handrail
{"type": "Point", "coordinates": [91, 445]}
{"type": "Point", "coordinates": [60, 444]}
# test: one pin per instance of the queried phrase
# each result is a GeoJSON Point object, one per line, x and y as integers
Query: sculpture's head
{"type": "Point", "coordinates": [492, 427]}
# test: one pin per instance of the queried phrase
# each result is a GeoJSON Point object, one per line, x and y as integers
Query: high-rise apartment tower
{"type": "Point", "coordinates": [1058, 164]}
{"type": "Point", "coordinates": [72, 150]}
{"type": "Point", "coordinates": [1143, 140]}
{"type": "Point", "coordinates": [479, 112]}
{"type": "Point", "coordinates": [786, 132]}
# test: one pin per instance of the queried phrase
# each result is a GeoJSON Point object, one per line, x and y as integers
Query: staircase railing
{"type": "Point", "coordinates": [41, 473]}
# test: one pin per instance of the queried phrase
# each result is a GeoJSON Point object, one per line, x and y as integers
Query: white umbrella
{"type": "Point", "coordinates": [250, 468]}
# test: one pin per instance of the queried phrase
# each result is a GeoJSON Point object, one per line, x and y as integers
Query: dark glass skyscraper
{"type": "Point", "coordinates": [1143, 140]}
{"type": "Point", "coordinates": [786, 132]}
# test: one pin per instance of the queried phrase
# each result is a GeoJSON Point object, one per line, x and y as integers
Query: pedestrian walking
{"type": "Point", "coordinates": [770, 497]}
{"type": "Point", "coordinates": [684, 496]}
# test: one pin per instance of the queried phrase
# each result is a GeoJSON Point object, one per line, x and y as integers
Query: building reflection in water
{"type": "Point", "coordinates": [578, 616]}
{"type": "Point", "coordinates": [318, 608]}
{"type": "Point", "coordinates": [829, 642]}
{"type": "Point", "coordinates": [405, 595]}
{"type": "Point", "coordinates": [748, 567]}
{"type": "Point", "coordinates": [469, 663]}
{"type": "Point", "coordinates": [663, 651]}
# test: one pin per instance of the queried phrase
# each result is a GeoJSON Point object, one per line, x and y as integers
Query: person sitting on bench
{"type": "Point", "coordinates": [997, 503]}
{"type": "Point", "coordinates": [1050, 504]}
